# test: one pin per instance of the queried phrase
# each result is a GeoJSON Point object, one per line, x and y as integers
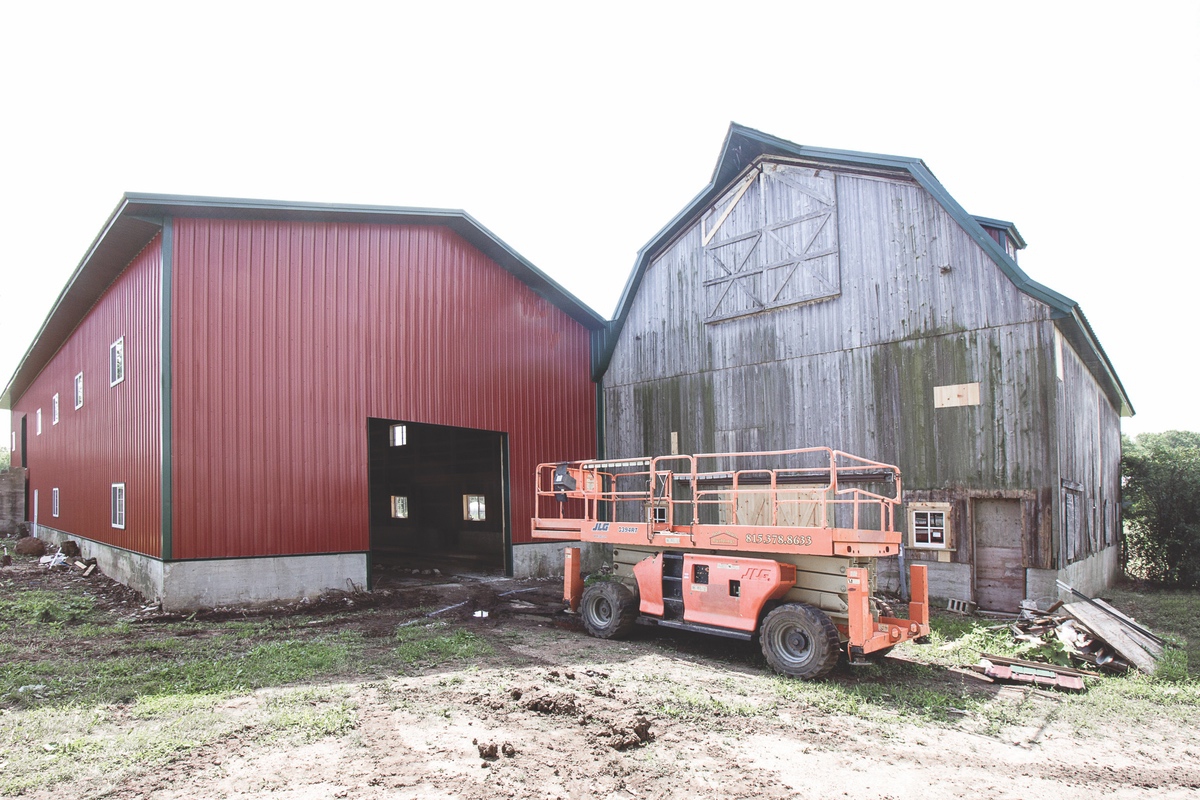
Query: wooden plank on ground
{"type": "Point", "coordinates": [1112, 631]}
{"type": "Point", "coordinates": [995, 659]}
{"type": "Point", "coordinates": [1154, 648]}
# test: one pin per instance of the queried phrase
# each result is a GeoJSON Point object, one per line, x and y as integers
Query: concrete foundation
{"type": "Point", "coordinates": [1092, 576]}
{"type": "Point", "coordinates": [12, 500]}
{"type": "Point", "coordinates": [946, 579]}
{"type": "Point", "coordinates": [191, 585]}
{"type": "Point", "coordinates": [140, 573]}
{"type": "Point", "coordinates": [545, 559]}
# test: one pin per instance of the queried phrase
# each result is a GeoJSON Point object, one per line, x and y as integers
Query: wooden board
{"type": "Point", "coordinates": [1152, 647]}
{"type": "Point", "coordinates": [1113, 632]}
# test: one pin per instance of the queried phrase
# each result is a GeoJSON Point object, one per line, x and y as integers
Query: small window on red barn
{"type": "Point", "coordinates": [473, 508]}
{"type": "Point", "coordinates": [54, 502]}
{"type": "Point", "coordinates": [399, 507]}
{"type": "Point", "coordinates": [116, 362]}
{"type": "Point", "coordinates": [118, 505]}
{"type": "Point", "coordinates": [79, 391]}
{"type": "Point", "coordinates": [54, 410]}
{"type": "Point", "coordinates": [398, 435]}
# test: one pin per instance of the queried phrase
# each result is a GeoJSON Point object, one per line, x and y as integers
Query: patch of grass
{"type": "Point", "coordinates": [436, 642]}
{"type": "Point", "coordinates": [41, 607]}
{"type": "Point", "coordinates": [890, 699]}
{"type": "Point", "coordinates": [170, 667]}
{"type": "Point", "coordinates": [686, 702]}
{"type": "Point", "coordinates": [1173, 614]}
{"type": "Point", "coordinates": [309, 714]}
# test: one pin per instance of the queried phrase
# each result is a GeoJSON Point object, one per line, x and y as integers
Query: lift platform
{"type": "Point", "coordinates": [721, 542]}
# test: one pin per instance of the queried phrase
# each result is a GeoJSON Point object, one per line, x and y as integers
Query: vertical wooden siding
{"type": "Point", "coordinates": [920, 305]}
{"type": "Point", "coordinates": [1089, 447]}
{"type": "Point", "coordinates": [115, 436]}
{"type": "Point", "coordinates": [288, 336]}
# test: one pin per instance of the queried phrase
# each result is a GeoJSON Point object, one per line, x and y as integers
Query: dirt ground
{"type": "Point", "coordinates": [552, 713]}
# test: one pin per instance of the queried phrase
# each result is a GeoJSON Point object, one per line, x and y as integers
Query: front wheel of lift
{"type": "Point", "coordinates": [609, 610]}
{"type": "Point", "coordinates": [800, 641]}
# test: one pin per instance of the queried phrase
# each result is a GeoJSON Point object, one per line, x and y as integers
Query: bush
{"type": "Point", "coordinates": [1161, 479]}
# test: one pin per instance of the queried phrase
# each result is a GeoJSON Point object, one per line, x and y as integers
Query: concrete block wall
{"type": "Point", "coordinates": [12, 500]}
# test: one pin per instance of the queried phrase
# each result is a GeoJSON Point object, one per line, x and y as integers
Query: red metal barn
{"type": "Point", "coordinates": [241, 401]}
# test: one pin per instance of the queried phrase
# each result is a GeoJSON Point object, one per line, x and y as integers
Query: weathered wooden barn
{"type": "Point", "coordinates": [819, 297]}
{"type": "Point", "coordinates": [237, 400]}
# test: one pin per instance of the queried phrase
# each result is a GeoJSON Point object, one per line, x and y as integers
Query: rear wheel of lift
{"type": "Point", "coordinates": [609, 610]}
{"type": "Point", "coordinates": [800, 641]}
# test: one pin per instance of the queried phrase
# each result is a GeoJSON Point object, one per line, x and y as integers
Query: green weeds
{"type": "Point", "coordinates": [39, 607]}
{"type": "Point", "coordinates": [436, 643]}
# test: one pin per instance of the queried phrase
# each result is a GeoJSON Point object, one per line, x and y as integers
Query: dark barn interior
{"type": "Point", "coordinates": [437, 496]}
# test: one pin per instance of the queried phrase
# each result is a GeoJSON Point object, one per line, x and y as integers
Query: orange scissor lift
{"type": "Point", "coordinates": [781, 543]}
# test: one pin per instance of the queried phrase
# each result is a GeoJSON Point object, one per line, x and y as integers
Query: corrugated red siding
{"type": "Point", "coordinates": [288, 336]}
{"type": "Point", "coordinates": [115, 436]}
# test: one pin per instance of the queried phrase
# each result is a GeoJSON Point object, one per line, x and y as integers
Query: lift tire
{"type": "Point", "coordinates": [800, 641]}
{"type": "Point", "coordinates": [609, 610]}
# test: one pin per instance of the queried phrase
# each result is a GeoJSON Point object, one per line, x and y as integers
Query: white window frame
{"type": "Point", "coordinates": [118, 505]}
{"type": "Point", "coordinates": [54, 409]}
{"type": "Point", "coordinates": [79, 391]}
{"type": "Point", "coordinates": [116, 362]}
{"type": "Point", "coordinates": [39, 422]}
{"type": "Point", "coordinates": [54, 502]}
{"type": "Point", "coordinates": [399, 506]}
{"type": "Point", "coordinates": [480, 501]}
{"type": "Point", "coordinates": [916, 510]}
{"type": "Point", "coordinates": [398, 435]}
{"type": "Point", "coordinates": [12, 437]}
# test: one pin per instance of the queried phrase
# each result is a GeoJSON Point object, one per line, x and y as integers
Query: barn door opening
{"type": "Point", "coordinates": [999, 563]}
{"type": "Point", "coordinates": [437, 497]}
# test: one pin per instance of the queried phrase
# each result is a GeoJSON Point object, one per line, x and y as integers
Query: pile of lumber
{"type": "Point", "coordinates": [1130, 643]}
{"type": "Point", "coordinates": [1085, 632]}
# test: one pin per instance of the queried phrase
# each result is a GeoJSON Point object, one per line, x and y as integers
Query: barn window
{"type": "Point", "coordinates": [54, 502]}
{"type": "Point", "coordinates": [118, 505]}
{"type": "Point", "coordinates": [398, 435]}
{"type": "Point", "coordinates": [79, 391]}
{"type": "Point", "coordinates": [39, 422]}
{"type": "Point", "coordinates": [399, 507]}
{"type": "Point", "coordinates": [473, 508]}
{"type": "Point", "coordinates": [54, 410]}
{"type": "Point", "coordinates": [659, 515]}
{"type": "Point", "coordinates": [116, 362]}
{"type": "Point", "coordinates": [929, 526]}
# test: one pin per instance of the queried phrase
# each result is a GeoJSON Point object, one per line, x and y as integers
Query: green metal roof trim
{"type": "Point", "coordinates": [138, 218]}
{"type": "Point", "coordinates": [743, 145]}
{"type": "Point", "coordinates": [1004, 225]}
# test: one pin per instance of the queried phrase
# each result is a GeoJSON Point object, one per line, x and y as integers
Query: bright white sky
{"type": "Point", "coordinates": [574, 132]}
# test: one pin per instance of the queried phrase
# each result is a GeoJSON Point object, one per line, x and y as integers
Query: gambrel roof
{"type": "Point", "coordinates": [743, 146]}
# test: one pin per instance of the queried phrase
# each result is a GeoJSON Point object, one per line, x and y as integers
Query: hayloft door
{"type": "Point", "coordinates": [999, 567]}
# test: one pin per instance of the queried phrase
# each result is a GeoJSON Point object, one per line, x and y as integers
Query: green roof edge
{"type": "Point", "coordinates": [148, 206]}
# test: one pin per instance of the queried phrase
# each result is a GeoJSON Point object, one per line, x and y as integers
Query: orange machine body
{"type": "Point", "coordinates": [714, 519]}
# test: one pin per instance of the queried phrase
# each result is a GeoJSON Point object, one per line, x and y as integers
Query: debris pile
{"type": "Point", "coordinates": [1087, 633]}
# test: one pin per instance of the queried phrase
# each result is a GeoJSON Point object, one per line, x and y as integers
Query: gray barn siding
{"type": "Point", "coordinates": [920, 305]}
{"type": "Point", "coordinates": [1089, 460]}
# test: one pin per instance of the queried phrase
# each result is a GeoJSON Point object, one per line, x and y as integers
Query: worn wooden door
{"type": "Point", "coordinates": [999, 567]}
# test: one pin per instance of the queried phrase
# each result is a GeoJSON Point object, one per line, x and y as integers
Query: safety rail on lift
{"type": "Point", "coordinates": [816, 487]}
